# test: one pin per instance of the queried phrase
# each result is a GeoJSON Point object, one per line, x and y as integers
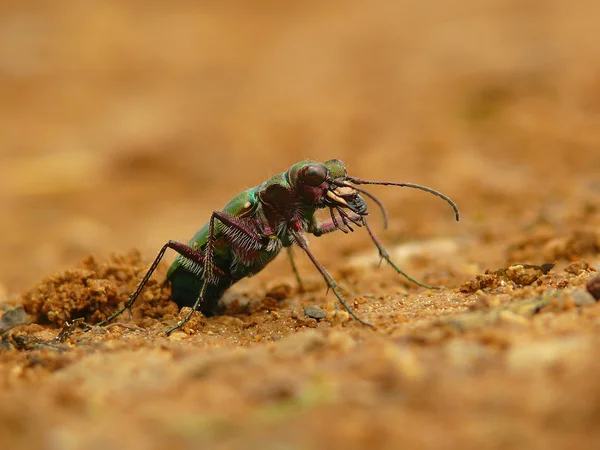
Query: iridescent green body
{"type": "Point", "coordinates": [187, 277]}
{"type": "Point", "coordinates": [268, 210]}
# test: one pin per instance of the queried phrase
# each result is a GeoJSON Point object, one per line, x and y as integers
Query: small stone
{"type": "Point", "coordinates": [593, 287]}
{"type": "Point", "coordinates": [314, 312]}
{"type": "Point", "coordinates": [13, 318]}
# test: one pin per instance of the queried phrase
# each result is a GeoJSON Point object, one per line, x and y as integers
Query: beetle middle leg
{"type": "Point", "coordinates": [290, 253]}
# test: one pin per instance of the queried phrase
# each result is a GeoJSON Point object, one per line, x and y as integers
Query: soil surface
{"type": "Point", "coordinates": [124, 124]}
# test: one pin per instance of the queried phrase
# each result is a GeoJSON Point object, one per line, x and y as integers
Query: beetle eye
{"type": "Point", "coordinates": [314, 175]}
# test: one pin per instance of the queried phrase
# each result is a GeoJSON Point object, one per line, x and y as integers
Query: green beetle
{"type": "Point", "coordinates": [250, 231]}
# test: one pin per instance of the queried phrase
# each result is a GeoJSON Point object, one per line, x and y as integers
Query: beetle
{"type": "Point", "coordinates": [249, 232]}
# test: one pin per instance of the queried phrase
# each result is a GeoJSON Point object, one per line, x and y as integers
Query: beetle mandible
{"type": "Point", "coordinates": [250, 231]}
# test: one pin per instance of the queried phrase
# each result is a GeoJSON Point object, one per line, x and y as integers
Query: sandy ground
{"type": "Point", "coordinates": [126, 123]}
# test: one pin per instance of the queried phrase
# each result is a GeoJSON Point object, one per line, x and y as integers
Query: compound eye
{"type": "Point", "coordinates": [314, 174]}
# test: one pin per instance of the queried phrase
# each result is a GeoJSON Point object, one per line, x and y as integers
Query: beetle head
{"type": "Point", "coordinates": [324, 185]}
{"type": "Point", "coordinates": [327, 185]}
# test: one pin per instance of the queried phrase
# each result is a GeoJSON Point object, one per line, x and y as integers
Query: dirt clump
{"type": "Point", "coordinates": [93, 291]}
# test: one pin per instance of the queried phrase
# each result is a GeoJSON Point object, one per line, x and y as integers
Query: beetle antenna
{"type": "Point", "coordinates": [410, 185]}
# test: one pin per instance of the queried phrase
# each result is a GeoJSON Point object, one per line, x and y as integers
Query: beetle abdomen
{"type": "Point", "coordinates": [186, 286]}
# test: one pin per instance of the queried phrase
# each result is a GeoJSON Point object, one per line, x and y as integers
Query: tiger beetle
{"type": "Point", "coordinates": [250, 231]}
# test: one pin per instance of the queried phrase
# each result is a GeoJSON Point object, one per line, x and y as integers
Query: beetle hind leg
{"type": "Point", "coordinates": [180, 248]}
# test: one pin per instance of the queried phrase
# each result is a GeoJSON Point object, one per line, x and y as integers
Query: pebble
{"type": "Point", "coordinates": [314, 312]}
{"type": "Point", "coordinates": [12, 318]}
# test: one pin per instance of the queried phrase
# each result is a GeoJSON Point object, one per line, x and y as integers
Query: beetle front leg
{"type": "Point", "coordinates": [385, 255]}
{"type": "Point", "coordinates": [330, 225]}
{"type": "Point", "coordinates": [301, 241]}
{"type": "Point", "coordinates": [180, 248]}
{"type": "Point", "coordinates": [325, 227]}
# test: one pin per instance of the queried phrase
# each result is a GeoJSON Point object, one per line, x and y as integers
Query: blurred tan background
{"type": "Point", "coordinates": [125, 123]}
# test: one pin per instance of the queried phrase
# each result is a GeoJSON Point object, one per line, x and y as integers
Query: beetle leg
{"type": "Point", "coordinates": [290, 253]}
{"type": "Point", "coordinates": [346, 222]}
{"type": "Point", "coordinates": [335, 222]}
{"type": "Point", "coordinates": [180, 248]}
{"type": "Point", "coordinates": [351, 216]}
{"type": "Point", "coordinates": [232, 222]}
{"type": "Point", "coordinates": [325, 227]}
{"type": "Point", "coordinates": [385, 255]}
{"type": "Point", "coordinates": [301, 241]}
{"type": "Point", "coordinates": [253, 238]}
{"type": "Point", "coordinates": [329, 226]}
